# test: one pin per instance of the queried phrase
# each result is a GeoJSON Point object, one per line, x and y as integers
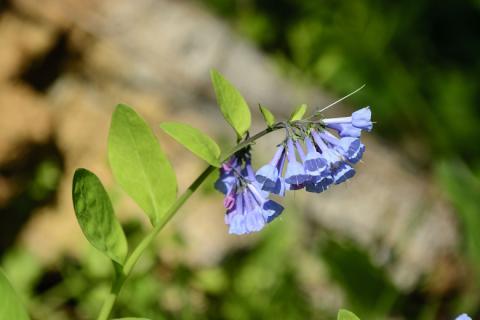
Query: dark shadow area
{"type": "Point", "coordinates": [48, 280]}
{"type": "Point", "coordinates": [53, 280]}
{"type": "Point", "coordinates": [34, 178]}
{"type": "Point", "coordinates": [42, 71]}
{"type": "Point", "coordinates": [4, 6]}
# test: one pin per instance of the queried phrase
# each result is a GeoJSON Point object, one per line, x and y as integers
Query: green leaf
{"type": "Point", "coordinates": [139, 164]}
{"type": "Point", "coordinates": [95, 215]}
{"type": "Point", "coordinates": [130, 318]}
{"type": "Point", "coordinates": [298, 113]}
{"type": "Point", "coordinates": [346, 315]}
{"type": "Point", "coordinates": [10, 305]}
{"type": "Point", "coordinates": [233, 106]}
{"type": "Point", "coordinates": [267, 116]}
{"type": "Point", "coordinates": [194, 140]}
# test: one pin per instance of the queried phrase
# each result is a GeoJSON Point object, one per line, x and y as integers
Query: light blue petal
{"type": "Point", "coordinates": [295, 173]}
{"type": "Point", "coordinates": [267, 176]}
{"type": "Point", "coordinates": [362, 119]}
{"type": "Point", "coordinates": [346, 130]}
{"type": "Point", "coordinates": [342, 172]}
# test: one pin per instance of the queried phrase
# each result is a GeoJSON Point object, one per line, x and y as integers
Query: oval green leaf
{"type": "Point", "coordinates": [139, 164]}
{"type": "Point", "coordinates": [267, 116]}
{"type": "Point", "coordinates": [346, 315]}
{"type": "Point", "coordinates": [130, 318]}
{"type": "Point", "coordinates": [298, 113]}
{"type": "Point", "coordinates": [10, 305]}
{"type": "Point", "coordinates": [194, 140]}
{"type": "Point", "coordinates": [232, 104]}
{"type": "Point", "coordinates": [95, 215]}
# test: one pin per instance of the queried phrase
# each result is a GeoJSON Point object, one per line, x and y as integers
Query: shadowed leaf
{"type": "Point", "coordinates": [95, 215]}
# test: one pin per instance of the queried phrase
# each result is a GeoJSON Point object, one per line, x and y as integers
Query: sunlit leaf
{"type": "Point", "coordinates": [130, 318]}
{"type": "Point", "coordinates": [346, 315]}
{"type": "Point", "coordinates": [10, 305]}
{"type": "Point", "coordinates": [267, 116]}
{"type": "Point", "coordinates": [233, 106]}
{"type": "Point", "coordinates": [194, 140]}
{"type": "Point", "coordinates": [139, 164]}
{"type": "Point", "coordinates": [298, 113]}
{"type": "Point", "coordinates": [95, 215]}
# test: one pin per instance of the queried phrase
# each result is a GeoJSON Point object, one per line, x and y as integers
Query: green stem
{"type": "Point", "coordinates": [252, 139]}
{"type": "Point", "coordinates": [122, 273]}
{"type": "Point", "coordinates": [109, 302]}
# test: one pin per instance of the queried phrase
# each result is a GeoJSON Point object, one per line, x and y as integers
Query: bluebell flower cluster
{"type": "Point", "coordinates": [314, 156]}
{"type": "Point", "coordinates": [318, 154]}
{"type": "Point", "coordinates": [248, 207]}
{"type": "Point", "coordinates": [463, 316]}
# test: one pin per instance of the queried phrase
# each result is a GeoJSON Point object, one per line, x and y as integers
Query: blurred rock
{"type": "Point", "coordinates": [25, 120]}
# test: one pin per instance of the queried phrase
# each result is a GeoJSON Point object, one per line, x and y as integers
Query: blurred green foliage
{"type": "Point", "coordinates": [419, 60]}
{"type": "Point", "coordinates": [269, 280]}
{"type": "Point", "coordinates": [281, 276]}
{"type": "Point", "coordinates": [463, 189]}
{"type": "Point", "coordinates": [362, 281]}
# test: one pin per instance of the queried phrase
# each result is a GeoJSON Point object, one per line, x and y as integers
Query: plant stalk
{"type": "Point", "coordinates": [122, 273]}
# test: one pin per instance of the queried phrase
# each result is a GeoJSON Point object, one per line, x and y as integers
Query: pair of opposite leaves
{"type": "Point", "coordinates": [142, 169]}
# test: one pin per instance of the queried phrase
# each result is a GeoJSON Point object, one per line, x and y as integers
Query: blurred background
{"type": "Point", "coordinates": [399, 241]}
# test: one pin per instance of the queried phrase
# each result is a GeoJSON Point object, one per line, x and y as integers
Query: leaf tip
{"type": "Point", "coordinates": [298, 113]}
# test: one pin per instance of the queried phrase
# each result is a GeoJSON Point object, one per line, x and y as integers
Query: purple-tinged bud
{"type": "Point", "coordinates": [231, 164]}
{"type": "Point", "coordinates": [225, 183]}
{"type": "Point", "coordinates": [229, 200]}
{"type": "Point", "coordinates": [227, 179]}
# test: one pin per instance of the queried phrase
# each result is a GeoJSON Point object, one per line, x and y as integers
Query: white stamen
{"type": "Point", "coordinates": [341, 99]}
